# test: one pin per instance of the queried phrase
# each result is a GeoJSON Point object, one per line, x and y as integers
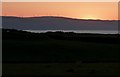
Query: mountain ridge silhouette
{"type": "Point", "coordinates": [57, 23]}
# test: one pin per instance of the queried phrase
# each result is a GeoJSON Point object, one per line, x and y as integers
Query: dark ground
{"type": "Point", "coordinates": [60, 54]}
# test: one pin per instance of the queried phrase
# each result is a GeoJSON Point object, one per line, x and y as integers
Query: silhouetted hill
{"type": "Point", "coordinates": [57, 23]}
{"type": "Point", "coordinates": [21, 46]}
{"type": "Point", "coordinates": [99, 38]}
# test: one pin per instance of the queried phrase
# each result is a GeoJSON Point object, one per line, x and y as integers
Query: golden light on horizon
{"type": "Point", "coordinates": [93, 18]}
{"type": "Point", "coordinates": [90, 17]}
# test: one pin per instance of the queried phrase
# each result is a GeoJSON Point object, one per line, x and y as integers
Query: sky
{"type": "Point", "coordinates": [79, 10]}
{"type": "Point", "coordinates": [60, 0]}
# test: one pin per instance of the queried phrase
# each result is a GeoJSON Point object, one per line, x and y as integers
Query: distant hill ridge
{"type": "Point", "coordinates": [57, 23]}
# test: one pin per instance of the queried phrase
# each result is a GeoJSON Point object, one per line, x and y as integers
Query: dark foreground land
{"type": "Point", "coordinates": [59, 54]}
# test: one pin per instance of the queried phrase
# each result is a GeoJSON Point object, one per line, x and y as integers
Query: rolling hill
{"type": "Point", "coordinates": [57, 23]}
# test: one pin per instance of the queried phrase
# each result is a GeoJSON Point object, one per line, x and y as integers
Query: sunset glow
{"type": "Point", "coordinates": [90, 17]}
{"type": "Point", "coordinates": [79, 10]}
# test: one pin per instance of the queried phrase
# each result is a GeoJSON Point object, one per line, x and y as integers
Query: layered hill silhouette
{"type": "Point", "coordinates": [57, 23]}
{"type": "Point", "coordinates": [21, 46]}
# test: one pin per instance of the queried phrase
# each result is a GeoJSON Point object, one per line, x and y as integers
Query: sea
{"type": "Point", "coordinates": [77, 31]}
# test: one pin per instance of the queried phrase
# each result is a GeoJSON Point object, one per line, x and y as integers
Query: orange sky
{"type": "Point", "coordinates": [80, 10]}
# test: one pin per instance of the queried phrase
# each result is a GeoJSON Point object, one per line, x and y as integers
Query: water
{"type": "Point", "coordinates": [77, 31]}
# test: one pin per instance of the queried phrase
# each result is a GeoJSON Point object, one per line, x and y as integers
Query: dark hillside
{"type": "Point", "coordinates": [21, 46]}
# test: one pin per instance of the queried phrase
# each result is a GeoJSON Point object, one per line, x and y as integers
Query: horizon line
{"type": "Point", "coordinates": [59, 17]}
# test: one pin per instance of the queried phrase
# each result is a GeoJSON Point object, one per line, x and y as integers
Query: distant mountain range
{"type": "Point", "coordinates": [57, 23]}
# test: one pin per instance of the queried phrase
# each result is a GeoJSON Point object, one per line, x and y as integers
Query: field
{"type": "Point", "coordinates": [60, 54]}
{"type": "Point", "coordinates": [62, 69]}
{"type": "Point", "coordinates": [58, 50]}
